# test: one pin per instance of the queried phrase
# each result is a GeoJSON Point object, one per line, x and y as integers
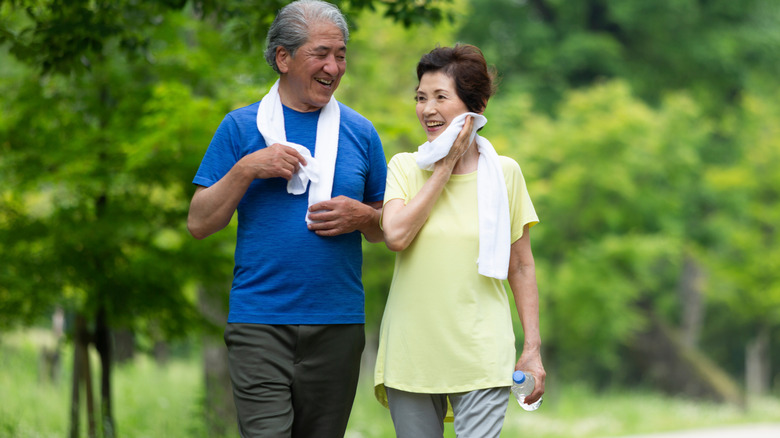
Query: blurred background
{"type": "Point", "coordinates": [648, 132]}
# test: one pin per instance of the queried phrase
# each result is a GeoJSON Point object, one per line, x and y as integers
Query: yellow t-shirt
{"type": "Point", "coordinates": [447, 329]}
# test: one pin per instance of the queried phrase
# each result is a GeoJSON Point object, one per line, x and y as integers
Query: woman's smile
{"type": "Point", "coordinates": [437, 103]}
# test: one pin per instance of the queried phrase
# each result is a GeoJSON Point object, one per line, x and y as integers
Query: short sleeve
{"type": "Point", "coordinates": [375, 183]}
{"type": "Point", "coordinates": [521, 208]}
{"type": "Point", "coordinates": [398, 186]}
{"type": "Point", "coordinates": [221, 155]}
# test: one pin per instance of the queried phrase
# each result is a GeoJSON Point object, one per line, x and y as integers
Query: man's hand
{"type": "Point", "coordinates": [342, 215]}
{"type": "Point", "coordinates": [211, 208]}
{"type": "Point", "coordinates": [273, 161]}
{"type": "Point", "coordinates": [337, 216]}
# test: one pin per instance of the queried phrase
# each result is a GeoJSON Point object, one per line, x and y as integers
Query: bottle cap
{"type": "Point", "coordinates": [518, 377]}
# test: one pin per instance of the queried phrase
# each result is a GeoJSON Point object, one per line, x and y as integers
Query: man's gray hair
{"type": "Point", "coordinates": [291, 26]}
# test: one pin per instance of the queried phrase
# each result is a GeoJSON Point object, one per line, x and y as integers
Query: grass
{"type": "Point", "coordinates": [165, 401]}
{"type": "Point", "coordinates": [149, 400]}
{"type": "Point", "coordinates": [576, 412]}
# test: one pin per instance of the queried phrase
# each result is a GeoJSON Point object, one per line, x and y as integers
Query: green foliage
{"type": "Point", "coordinates": [709, 48]}
{"type": "Point", "coordinates": [593, 301]}
{"type": "Point", "coordinates": [96, 170]}
{"type": "Point", "coordinates": [746, 263]}
{"type": "Point", "coordinates": [72, 36]}
{"type": "Point", "coordinates": [612, 181]}
{"type": "Point", "coordinates": [626, 192]}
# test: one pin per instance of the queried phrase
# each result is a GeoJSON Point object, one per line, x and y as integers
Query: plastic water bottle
{"type": "Point", "coordinates": [523, 386]}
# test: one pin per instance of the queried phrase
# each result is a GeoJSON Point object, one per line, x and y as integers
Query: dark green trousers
{"type": "Point", "coordinates": [294, 381]}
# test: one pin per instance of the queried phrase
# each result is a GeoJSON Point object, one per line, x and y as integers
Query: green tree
{"type": "Point", "coordinates": [711, 49]}
{"type": "Point", "coordinates": [70, 36]}
{"type": "Point", "coordinates": [95, 172]}
{"type": "Point", "coordinates": [611, 178]}
{"type": "Point", "coordinates": [745, 284]}
{"type": "Point", "coordinates": [694, 63]}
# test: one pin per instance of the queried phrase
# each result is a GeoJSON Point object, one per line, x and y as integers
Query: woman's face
{"type": "Point", "coordinates": [437, 103]}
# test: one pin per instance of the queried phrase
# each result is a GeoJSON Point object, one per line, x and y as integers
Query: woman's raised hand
{"type": "Point", "coordinates": [460, 146]}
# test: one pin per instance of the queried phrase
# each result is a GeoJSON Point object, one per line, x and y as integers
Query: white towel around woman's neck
{"type": "Point", "coordinates": [318, 169]}
{"type": "Point", "coordinates": [492, 198]}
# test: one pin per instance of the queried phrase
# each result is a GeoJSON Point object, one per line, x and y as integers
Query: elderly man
{"type": "Point", "coordinates": [306, 175]}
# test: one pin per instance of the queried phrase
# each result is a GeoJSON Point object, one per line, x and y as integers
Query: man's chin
{"type": "Point", "coordinates": [322, 101]}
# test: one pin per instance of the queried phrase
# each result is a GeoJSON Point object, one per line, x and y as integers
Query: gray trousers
{"type": "Point", "coordinates": [478, 414]}
{"type": "Point", "coordinates": [294, 381]}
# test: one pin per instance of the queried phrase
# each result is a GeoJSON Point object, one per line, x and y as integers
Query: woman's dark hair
{"type": "Point", "coordinates": [465, 64]}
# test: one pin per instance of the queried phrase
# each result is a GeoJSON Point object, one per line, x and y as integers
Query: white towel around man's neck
{"type": "Point", "coordinates": [492, 198]}
{"type": "Point", "coordinates": [318, 169]}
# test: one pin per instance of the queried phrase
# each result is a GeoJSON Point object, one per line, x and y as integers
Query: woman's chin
{"type": "Point", "coordinates": [433, 135]}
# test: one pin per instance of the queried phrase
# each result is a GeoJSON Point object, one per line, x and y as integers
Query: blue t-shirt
{"type": "Point", "coordinates": [284, 273]}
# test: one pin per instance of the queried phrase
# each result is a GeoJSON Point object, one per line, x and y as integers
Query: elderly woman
{"type": "Point", "coordinates": [458, 216]}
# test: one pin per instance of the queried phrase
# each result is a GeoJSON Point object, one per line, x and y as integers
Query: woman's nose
{"type": "Point", "coordinates": [429, 108]}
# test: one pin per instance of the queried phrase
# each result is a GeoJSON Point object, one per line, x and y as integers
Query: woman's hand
{"type": "Point", "coordinates": [460, 146]}
{"type": "Point", "coordinates": [532, 363]}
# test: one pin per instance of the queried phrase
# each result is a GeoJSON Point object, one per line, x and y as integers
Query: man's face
{"type": "Point", "coordinates": [310, 78]}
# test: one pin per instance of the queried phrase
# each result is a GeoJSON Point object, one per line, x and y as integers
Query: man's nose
{"type": "Point", "coordinates": [331, 66]}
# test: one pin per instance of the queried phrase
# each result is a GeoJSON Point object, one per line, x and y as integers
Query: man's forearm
{"type": "Point", "coordinates": [212, 207]}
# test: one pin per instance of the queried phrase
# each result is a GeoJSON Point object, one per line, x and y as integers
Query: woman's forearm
{"type": "Point", "coordinates": [522, 281]}
{"type": "Point", "coordinates": [401, 222]}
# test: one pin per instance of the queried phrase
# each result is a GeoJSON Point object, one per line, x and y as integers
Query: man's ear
{"type": "Point", "coordinates": [282, 58]}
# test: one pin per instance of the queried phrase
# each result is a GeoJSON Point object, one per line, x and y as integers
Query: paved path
{"type": "Point", "coordinates": [769, 430]}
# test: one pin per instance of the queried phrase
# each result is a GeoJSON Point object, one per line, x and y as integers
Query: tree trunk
{"type": "Point", "coordinates": [691, 287]}
{"type": "Point", "coordinates": [162, 352]}
{"type": "Point", "coordinates": [757, 363]}
{"type": "Point", "coordinates": [82, 377]}
{"type": "Point", "coordinates": [75, 400]}
{"type": "Point", "coordinates": [51, 355]}
{"type": "Point", "coordinates": [103, 346]}
{"type": "Point", "coordinates": [123, 345]}
{"type": "Point", "coordinates": [219, 409]}
{"type": "Point", "coordinates": [670, 365]}
{"type": "Point", "coordinates": [86, 378]}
